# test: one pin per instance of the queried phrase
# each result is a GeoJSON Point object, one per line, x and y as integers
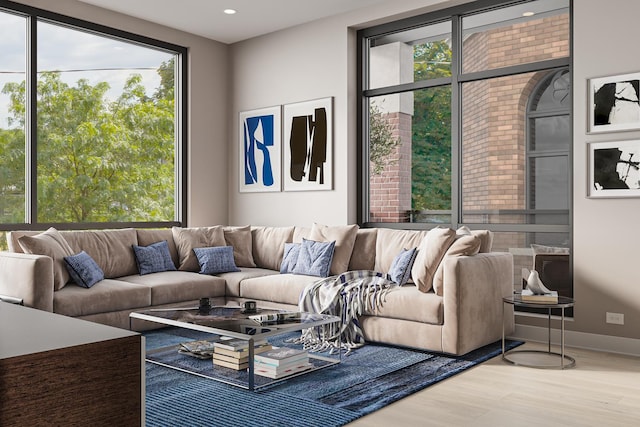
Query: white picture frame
{"type": "Point", "coordinates": [260, 150]}
{"type": "Point", "coordinates": [308, 145]}
{"type": "Point", "coordinates": [614, 103]}
{"type": "Point", "coordinates": [614, 169]}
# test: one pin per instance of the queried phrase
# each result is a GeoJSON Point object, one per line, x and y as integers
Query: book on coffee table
{"type": "Point", "coordinates": [281, 356]}
{"type": "Point", "coordinates": [280, 372]}
{"type": "Point", "coordinates": [243, 352]}
{"type": "Point", "coordinates": [237, 365]}
{"type": "Point", "coordinates": [237, 344]}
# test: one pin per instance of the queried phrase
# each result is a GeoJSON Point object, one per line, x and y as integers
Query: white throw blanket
{"type": "Point", "coordinates": [348, 296]}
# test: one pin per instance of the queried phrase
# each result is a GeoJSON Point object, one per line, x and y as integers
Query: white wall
{"type": "Point", "coordinates": [606, 234]}
{"type": "Point", "coordinates": [208, 94]}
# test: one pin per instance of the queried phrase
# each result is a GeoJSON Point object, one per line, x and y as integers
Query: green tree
{"type": "Point", "coordinates": [98, 160]}
{"type": "Point", "coordinates": [381, 139]}
{"type": "Point", "coordinates": [431, 129]}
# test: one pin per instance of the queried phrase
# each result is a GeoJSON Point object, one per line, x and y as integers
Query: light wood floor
{"type": "Point", "coordinates": [603, 389]}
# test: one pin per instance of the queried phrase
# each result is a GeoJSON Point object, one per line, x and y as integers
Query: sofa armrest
{"type": "Point", "coordinates": [29, 277]}
{"type": "Point", "coordinates": [473, 290]}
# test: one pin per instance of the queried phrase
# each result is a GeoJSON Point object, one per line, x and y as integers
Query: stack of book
{"type": "Point", "coordinates": [234, 353]}
{"type": "Point", "coordinates": [281, 362]}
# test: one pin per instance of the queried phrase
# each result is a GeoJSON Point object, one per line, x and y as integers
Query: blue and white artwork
{"type": "Point", "coordinates": [260, 150]}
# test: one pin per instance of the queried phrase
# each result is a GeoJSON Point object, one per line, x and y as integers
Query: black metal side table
{"type": "Point", "coordinates": [565, 360]}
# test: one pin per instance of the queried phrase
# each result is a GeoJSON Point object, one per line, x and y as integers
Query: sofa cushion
{"type": "Point", "coordinates": [268, 245]}
{"type": "Point", "coordinates": [233, 279]}
{"type": "Point", "coordinates": [52, 244]}
{"type": "Point", "coordinates": [215, 260]}
{"type": "Point", "coordinates": [105, 296]}
{"type": "Point", "coordinates": [344, 236]}
{"type": "Point", "coordinates": [300, 233]}
{"type": "Point", "coordinates": [111, 249]}
{"type": "Point", "coordinates": [170, 287]}
{"type": "Point", "coordinates": [315, 258]}
{"type": "Point", "coordinates": [390, 242]}
{"type": "Point", "coordinates": [290, 257]}
{"type": "Point", "coordinates": [400, 270]}
{"type": "Point", "coordinates": [83, 270]}
{"type": "Point", "coordinates": [195, 237]}
{"type": "Point", "coordinates": [153, 258]}
{"type": "Point", "coordinates": [363, 256]}
{"type": "Point", "coordinates": [430, 252]}
{"type": "Point", "coordinates": [281, 288]}
{"type": "Point", "coordinates": [240, 239]}
{"type": "Point", "coordinates": [486, 240]}
{"type": "Point", "coordinates": [13, 236]}
{"type": "Point", "coordinates": [408, 303]}
{"type": "Point", "coordinates": [147, 236]}
{"type": "Point", "coordinates": [465, 244]}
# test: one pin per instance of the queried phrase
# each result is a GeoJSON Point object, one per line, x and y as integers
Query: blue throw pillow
{"type": "Point", "coordinates": [216, 259]}
{"type": "Point", "coordinates": [153, 258]}
{"type": "Point", "coordinates": [400, 270]}
{"type": "Point", "coordinates": [315, 258]}
{"type": "Point", "coordinates": [83, 269]}
{"type": "Point", "coordinates": [290, 257]}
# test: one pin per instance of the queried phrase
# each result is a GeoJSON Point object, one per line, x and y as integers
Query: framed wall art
{"type": "Point", "coordinates": [260, 142]}
{"type": "Point", "coordinates": [614, 103]}
{"type": "Point", "coordinates": [308, 145]}
{"type": "Point", "coordinates": [614, 169]}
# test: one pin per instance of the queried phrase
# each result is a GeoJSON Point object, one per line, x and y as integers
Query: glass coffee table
{"type": "Point", "coordinates": [233, 323]}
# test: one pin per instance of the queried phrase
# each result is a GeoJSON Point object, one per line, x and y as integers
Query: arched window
{"type": "Point", "coordinates": [548, 144]}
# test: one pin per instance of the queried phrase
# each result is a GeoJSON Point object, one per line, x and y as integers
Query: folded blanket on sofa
{"type": "Point", "coordinates": [347, 296]}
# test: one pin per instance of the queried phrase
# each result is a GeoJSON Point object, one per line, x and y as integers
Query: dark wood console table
{"type": "Point", "coordinates": [56, 370]}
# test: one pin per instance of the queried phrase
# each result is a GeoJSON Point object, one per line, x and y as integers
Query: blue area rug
{"type": "Point", "coordinates": [366, 380]}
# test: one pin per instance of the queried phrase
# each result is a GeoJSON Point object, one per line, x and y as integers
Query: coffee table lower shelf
{"type": "Point", "coordinates": [170, 358]}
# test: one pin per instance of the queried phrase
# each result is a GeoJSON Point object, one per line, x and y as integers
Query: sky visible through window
{"type": "Point", "coordinates": [78, 55]}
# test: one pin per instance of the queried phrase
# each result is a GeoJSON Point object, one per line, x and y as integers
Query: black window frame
{"type": "Point", "coordinates": [455, 15]}
{"type": "Point", "coordinates": [32, 15]}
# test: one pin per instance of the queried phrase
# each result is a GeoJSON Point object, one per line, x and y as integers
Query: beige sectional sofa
{"type": "Point", "coordinates": [453, 305]}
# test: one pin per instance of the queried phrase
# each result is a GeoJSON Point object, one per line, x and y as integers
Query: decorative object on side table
{"type": "Point", "coordinates": [536, 291]}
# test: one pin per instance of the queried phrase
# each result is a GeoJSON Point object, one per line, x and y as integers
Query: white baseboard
{"type": "Point", "coordinates": [620, 345]}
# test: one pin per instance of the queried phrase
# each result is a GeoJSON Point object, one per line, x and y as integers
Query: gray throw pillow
{"type": "Point", "coordinates": [83, 269]}
{"type": "Point", "coordinates": [315, 258]}
{"type": "Point", "coordinates": [290, 257]}
{"type": "Point", "coordinates": [153, 258]}
{"type": "Point", "coordinates": [400, 270]}
{"type": "Point", "coordinates": [215, 260]}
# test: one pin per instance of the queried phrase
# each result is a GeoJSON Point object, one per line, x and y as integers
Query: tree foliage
{"type": "Point", "coordinates": [98, 160]}
{"type": "Point", "coordinates": [382, 142]}
{"type": "Point", "coordinates": [431, 130]}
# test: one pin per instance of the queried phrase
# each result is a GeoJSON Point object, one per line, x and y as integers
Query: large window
{"type": "Point", "coordinates": [91, 124]}
{"type": "Point", "coordinates": [465, 120]}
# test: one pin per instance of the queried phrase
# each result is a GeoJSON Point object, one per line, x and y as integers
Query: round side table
{"type": "Point", "coordinates": [564, 360]}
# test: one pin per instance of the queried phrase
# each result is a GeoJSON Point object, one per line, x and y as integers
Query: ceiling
{"type": "Point", "coordinates": [253, 18]}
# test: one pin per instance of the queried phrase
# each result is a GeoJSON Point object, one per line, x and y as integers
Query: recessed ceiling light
{"type": "Point", "coordinates": [528, 13]}
{"type": "Point", "coordinates": [230, 11]}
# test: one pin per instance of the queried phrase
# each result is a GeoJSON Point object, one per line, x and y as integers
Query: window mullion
{"type": "Point", "coordinates": [456, 122]}
{"type": "Point", "coordinates": [31, 128]}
